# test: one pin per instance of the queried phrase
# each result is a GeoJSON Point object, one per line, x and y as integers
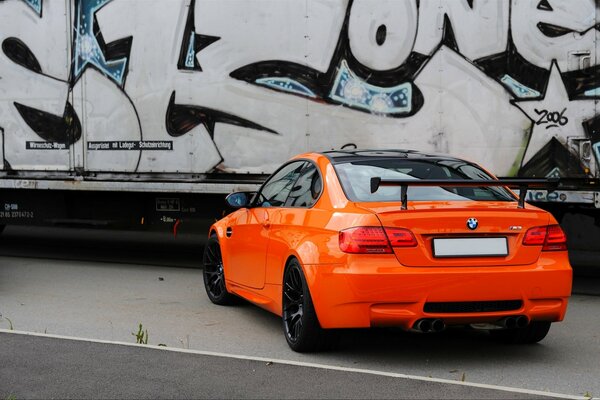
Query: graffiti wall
{"type": "Point", "coordinates": [195, 86]}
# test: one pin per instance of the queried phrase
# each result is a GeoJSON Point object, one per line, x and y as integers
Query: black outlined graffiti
{"type": "Point", "coordinates": [514, 72]}
{"type": "Point", "coordinates": [553, 160]}
{"type": "Point", "coordinates": [35, 5]}
{"type": "Point", "coordinates": [65, 129]}
{"type": "Point", "coordinates": [395, 87]}
{"type": "Point", "coordinates": [180, 119]}
{"type": "Point", "coordinates": [544, 5]}
{"type": "Point", "coordinates": [592, 130]}
{"type": "Point", "coordinates": [62, 129]}
{"type": "Point", "coordinates": [5, 164]}
{"type": "Point", "coordinates": [192, 43]}
{"type": "Point", "coordinates": [543, 112]}
{"type": "Point", "coordinates": [90, 49]}
{"type": "Point", "coordinates": [19, 53]}
{"type": "Point", "coordinates": [344, 79]}
{"type": "Point", "coordinates": [520, 78]}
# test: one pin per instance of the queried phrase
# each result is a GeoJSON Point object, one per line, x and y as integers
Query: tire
{"type": "Point", "coordinates": [532, 333]}
{"type": "Point", "coordinates": [214, 275]}
{"type": "Point", "coordinates": [301, 327]}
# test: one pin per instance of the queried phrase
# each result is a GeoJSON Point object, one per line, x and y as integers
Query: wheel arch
{"type": "Point", "coordinates": [307, 270]}
{"type": "Point", "coordinates": [218, 229]}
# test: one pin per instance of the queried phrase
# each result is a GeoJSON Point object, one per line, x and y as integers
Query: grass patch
{"type": "Point", "coordinates": [141, 337]}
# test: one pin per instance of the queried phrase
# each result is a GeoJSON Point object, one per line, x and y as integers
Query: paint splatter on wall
{"type": "Point", "coordinates": [194, 86]}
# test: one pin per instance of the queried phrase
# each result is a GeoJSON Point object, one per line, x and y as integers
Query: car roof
{"type": "Point", "coordinates": [343, 156]}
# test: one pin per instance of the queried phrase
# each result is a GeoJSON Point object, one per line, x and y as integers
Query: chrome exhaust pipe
{"type": "Point", "coordinates": [521, 321]}
{"type": "Point", "coordinates": [423, 325]}
{"type": "Point", "coordinates": [437, 325]}
{"type": "Point", "coordinates": [508, 322]}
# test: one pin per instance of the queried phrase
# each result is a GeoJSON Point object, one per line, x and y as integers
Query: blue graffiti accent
{"type": "Point", "coordinates": [350, 90]}
{"type": "Point", "coordinates": [36, 5]}
{"type": "Point", "coordinates": [592, 92]}
{"type": "Point", "coordinates": [86, 48]}
{"type": "Point", "coordinates": [191, 52]}
{"type": "Point", "coordinates": [287, 85]}
{"type": "Point", "coordinates": [596, 149]}
{"type": "Point", "coordinates": [518, 89]}
{"type": "Point", "coordinates": [554, 173]}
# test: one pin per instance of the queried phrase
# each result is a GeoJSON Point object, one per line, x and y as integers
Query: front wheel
{"type": "Point", "coordinates": [214, 275]}
{"type": "Point", "coordinates": [301, 327]}
{"type": "Point", "coordinates": [532, 333]}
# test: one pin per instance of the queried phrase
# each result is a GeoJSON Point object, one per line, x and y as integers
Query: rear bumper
{"type": "Point", "coordinates": [377, 291]}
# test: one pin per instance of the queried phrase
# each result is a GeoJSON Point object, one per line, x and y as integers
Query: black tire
{"type": "Point", "coordinates": [532, 333]}
{"type": "Point", "coordinates": [301, 327]}
{"type": "Point", "coordinates": [214, 276]}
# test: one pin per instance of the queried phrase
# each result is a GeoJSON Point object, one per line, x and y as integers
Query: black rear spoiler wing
{"type": "Point", "coordinates": [522, 184]}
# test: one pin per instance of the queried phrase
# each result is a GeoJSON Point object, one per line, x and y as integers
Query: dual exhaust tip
{"type": "Point", "coordinates": [429, 325]}
{"type": "Point", "coordinates": [513, 322]}
{"type": "Point", "coordinates": [437, 325]}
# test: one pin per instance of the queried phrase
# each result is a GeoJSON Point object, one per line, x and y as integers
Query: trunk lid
{"type": "Point", "coordinates": [448, 220]}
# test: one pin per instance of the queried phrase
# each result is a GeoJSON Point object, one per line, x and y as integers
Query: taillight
{"type": "Point", "coordinates": [364, 239]}
{"type": "Point", "coordinates": [400, 237]}
{"type": "Point", "coordinates": [551, 237]}
{"type": "Point", "coordinates": [535, 236]}
{"type": "Point", "coordinates": [375, 239]}
{"type": "Point", "coordinates": [556, 240]}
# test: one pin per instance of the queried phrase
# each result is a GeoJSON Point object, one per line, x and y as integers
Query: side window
{"type": "Point", "coordinates": [307, 188]}
{"type": "Point", "coordinates": [278, 187]}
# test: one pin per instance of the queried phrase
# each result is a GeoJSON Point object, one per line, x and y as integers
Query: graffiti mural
{"type": "Point", "coordinates": [196, 86]}
{"type": "Point", "coordinates": [192, 43]}
{"type": "Point", "coordinates": [89, 48]}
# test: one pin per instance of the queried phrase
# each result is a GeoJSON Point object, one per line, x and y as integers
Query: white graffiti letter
{"type": "Point", "coordinates": [382, 32]}
{"type": "Point", "coordinates": [479, 31]}
{"type": "Point", "coordinates": [542, 34]}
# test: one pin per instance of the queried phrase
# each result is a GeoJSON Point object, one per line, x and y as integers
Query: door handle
{"type": "Point", "coordinates": [266, 222]}
{"type": "Point", "coordinates": [229, 231]}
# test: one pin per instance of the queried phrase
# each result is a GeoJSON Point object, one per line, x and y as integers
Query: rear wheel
{"type": "Point", "coordinates": [300, 323]}
{"type": "Point", "coordinates": [214, 275]}
{"type": "Point", "coordinates": [532, 333]}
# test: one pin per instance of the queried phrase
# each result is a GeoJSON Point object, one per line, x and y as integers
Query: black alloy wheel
{"type": "Point", "coordinates": [293, 303]}
{"type": "Point", "coordinates": [214, 275]}
{"type": "Point", "coordinates": [301, 327]}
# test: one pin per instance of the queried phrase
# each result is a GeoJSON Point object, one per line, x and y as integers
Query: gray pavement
{"type": "Point", "coordinates": [39, 367]}
{"type": "Point", "coordinates": [107, 300]}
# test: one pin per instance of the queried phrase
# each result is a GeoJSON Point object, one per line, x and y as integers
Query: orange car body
{"type": "Point", "coordinates": [401, 287]}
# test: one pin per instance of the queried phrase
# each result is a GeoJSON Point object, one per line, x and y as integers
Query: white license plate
{"type": "Point", "coordinates": [470, 247]}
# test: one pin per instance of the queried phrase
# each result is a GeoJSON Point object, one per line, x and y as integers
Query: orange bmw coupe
{"type": "Point", "coordinates": [355, 239]}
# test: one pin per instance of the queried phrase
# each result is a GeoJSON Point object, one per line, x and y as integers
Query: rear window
{"type": "Point", "coordinates": [355, 178]}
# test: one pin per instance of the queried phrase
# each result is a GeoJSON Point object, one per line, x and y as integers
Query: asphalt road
{"type": "Point", "coordinates": [41, 367]}
{"type": "Point", "coordinates": [117, 281]}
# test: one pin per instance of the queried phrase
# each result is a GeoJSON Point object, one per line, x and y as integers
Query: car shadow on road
{"type": "Point", "coordinates": [456, 344]}
{"type": "Point", "coordinates": [461, 344]}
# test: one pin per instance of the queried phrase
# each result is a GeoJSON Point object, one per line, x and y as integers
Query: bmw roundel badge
{"type": "Point", "coordinates": [472, 223]}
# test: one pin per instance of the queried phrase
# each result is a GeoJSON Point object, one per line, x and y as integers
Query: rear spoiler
{"type": "Point", "coordinates": [522, 184]}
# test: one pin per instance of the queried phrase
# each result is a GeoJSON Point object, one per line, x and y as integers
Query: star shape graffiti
{"type": "Point", "coordinates": [89, 48]}
{"type": "Point", "coordinates": [555, 115]}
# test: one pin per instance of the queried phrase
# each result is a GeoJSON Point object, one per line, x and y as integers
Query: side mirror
{"type": "Point", "coordinates": [239, 199]}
